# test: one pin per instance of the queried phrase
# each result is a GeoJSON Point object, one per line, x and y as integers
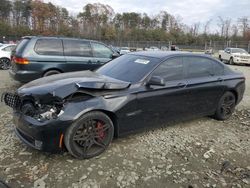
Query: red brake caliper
{"type": "Point", "coordinates": [101, 133]}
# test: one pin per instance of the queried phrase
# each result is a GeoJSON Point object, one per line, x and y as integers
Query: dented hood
{"type": "Point", "coordinates": [62, 85]}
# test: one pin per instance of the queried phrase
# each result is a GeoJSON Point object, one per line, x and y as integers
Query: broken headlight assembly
{"type": "Point", "coordinates": [42, 112]}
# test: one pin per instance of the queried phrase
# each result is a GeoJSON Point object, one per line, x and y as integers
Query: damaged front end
{"type": "Point", "coordinates": [45, 108]}
{"type": "Point", "coordinates": [41, 110]}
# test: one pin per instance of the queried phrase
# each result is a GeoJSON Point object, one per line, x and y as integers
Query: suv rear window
{"type": "Point", "coordinates": [49, 47]}
{"type": "Point", "coordinates": [21, 45]}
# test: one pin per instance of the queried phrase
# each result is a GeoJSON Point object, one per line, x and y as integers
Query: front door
{"type": "Point", "coordinates": [101, 53]}
{"type": "Point", "coordinates": [161, 104]}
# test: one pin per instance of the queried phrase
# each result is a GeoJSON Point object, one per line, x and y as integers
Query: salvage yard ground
{"type": "Point", "coordinates": [198, 153]}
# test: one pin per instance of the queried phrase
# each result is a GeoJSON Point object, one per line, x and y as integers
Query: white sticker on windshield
{"type": "Point", "coordinates": [142, 61]}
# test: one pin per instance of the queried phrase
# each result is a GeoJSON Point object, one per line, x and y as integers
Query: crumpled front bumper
{"type": "Point", "coordinates": [45, 136]}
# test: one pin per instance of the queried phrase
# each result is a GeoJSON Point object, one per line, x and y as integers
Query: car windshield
{"type": "Point", "coordinates": [129, 68]}
{"type": "Point", "coordinates": [238, 50]}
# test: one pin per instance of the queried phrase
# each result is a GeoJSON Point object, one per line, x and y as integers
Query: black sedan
{"type": "Point", "coordinates": [83, 111]}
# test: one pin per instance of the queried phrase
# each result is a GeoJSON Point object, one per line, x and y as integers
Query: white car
{"type": "Point", "coordinates": [5, 53]}
{"type": "Point", "coordinates": [234, 56]}
{"type": "Point", "coordinates": [124, 50]}
{"type": "Point", "coordinates": [152, 48]}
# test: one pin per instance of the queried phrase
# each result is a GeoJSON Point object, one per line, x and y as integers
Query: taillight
{"type": "Point", "coordinates": [19, 60]}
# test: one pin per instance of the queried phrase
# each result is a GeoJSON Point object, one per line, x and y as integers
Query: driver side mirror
{"type": "Point", "coordinates": [156, 80]}
{"type": "Point", "coordinates": [114, 55]}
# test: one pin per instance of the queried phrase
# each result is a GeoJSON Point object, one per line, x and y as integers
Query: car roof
{"type": "Point", "coordinates": [164, 54]}
{"type": "Point", "coordinates": [56, 37]}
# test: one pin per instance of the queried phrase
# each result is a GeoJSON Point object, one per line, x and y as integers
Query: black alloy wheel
{"type": "Point", "coordinates": [90, 135]}
{"type": "Point", "coordinates": [226, 106]}
{"type": "Point", "coordinates": [4, 63]}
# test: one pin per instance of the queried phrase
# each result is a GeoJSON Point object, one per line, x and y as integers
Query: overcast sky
{"type": "Point", "coordinates": [191, 11]}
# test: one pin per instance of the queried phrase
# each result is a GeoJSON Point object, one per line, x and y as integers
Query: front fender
{"type": "Point", "coordinates": [74, 110]}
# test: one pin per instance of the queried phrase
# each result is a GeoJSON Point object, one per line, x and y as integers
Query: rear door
{"type": "Point", "coordinates": [102, 53]}
{"type": "Point", "coordinates": [78, 55]}
{"type": "Point", "coordinates": [204, 84]}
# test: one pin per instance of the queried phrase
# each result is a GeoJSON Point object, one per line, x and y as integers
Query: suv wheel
{"type": "Point", "coordinates": [51, 72]}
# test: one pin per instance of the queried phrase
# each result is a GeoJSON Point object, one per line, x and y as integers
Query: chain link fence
{"type": "Point", "coordinates": [141, 45]}
{"type": "Point", "coordinates": [215, 45]}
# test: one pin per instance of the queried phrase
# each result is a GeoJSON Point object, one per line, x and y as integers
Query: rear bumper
{"type": "Point", "coordinates": [24, 76]}
{"type": "Point", "coordinates": [44, 136]}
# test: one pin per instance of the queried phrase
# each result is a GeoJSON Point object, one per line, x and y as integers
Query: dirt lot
{"type": "Point", "coordinates": [198, 153]}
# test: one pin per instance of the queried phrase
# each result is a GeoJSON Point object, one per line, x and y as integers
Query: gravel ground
{"type": "Point", "coordinates": [198, 153]}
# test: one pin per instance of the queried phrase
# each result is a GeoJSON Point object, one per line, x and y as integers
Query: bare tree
{"type": "Point", "coordinates": [194, 30]}
{"type": "Point", "coordinates": [221, 25]}
{"type": "Point", "coordinates": [227, 28]}
{"type": "Point", "coordinates": [206, 26]}
{"type": "Point", "coordinates": [235, 30]}
{"type": "Point", "coordinates": [244, 24]}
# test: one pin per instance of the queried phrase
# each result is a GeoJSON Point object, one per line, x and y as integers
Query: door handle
{"type": "Point", "coordinates": [219, 79]}
{"type": "Point", "coordinates": [181, 84]}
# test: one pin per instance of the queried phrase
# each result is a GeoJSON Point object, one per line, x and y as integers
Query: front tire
{"type": "Point", "coordinates": [226, 106]}
{"type": "Point", "coordinates": [90, 135]}
{"type": "Point", "coordinates": [231, 61]}
{"type": "Point", "coordinates": [220, 58]}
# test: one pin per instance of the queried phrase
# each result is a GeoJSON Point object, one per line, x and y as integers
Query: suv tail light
{"type": "Point", "coordinates": [20, 60]}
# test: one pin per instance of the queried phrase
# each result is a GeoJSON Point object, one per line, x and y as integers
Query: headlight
{"type": "Point", "coordinates": [52, 113]}
{"type": "Point", "coordinates": [41, 112]}
{"type": "Point", "coordinates": [237, 56]}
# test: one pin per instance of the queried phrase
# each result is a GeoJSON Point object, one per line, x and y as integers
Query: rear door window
{"type": "Point", "coordinates": [77, 48]}
{"type": "Point", "coordinates": [198, 67]}
{"type": "Point", "coordinates": [101, 51]}
{"type": "Point", "coordinates": [49, 47]}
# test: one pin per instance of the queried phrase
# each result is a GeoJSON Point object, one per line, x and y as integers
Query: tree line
{"type": "Point", "coordinates": [98, 21]}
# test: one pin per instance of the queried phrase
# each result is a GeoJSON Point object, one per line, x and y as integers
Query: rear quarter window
{"type": "Point", "coordinates": [21, 45]}
{"type": "Point", "coordinates": [49, 47]}
{"type": "Point", "coordinates": [202, 67]}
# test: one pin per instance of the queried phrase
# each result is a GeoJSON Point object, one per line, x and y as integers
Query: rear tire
{"type": "Point", "coordinates": [4, 63]}
{"type": "Point", "coordinates": [90, 135]}
{"type": "Point", "coordinates": [226, 106]}
{"type": "Point", "coordinates": [51, 72]}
